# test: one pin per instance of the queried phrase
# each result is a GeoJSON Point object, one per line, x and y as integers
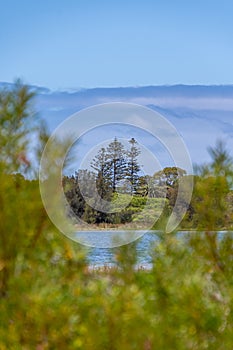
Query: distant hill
{"type": "Point", "coordinates": [200, 113]}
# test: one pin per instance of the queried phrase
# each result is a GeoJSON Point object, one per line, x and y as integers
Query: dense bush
{"type": "Point", "coordinates": [53, 301]}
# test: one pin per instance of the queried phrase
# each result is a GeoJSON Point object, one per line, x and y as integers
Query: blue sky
{"type": "Point", "coordinates": [69, 44]}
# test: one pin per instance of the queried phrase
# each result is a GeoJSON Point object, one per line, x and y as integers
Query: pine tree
{"type": "Point", "coordinates": [133, 168]}
{"type": "Point", "coordinates": [116, 162]}
{"type": "Point", "coordinates": [101, 167]}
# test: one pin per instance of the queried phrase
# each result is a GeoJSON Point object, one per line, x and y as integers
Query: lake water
{"type": "Point", "coordinates": [100, 254]}
{"type": "Point", "coordinates": [105, 256]}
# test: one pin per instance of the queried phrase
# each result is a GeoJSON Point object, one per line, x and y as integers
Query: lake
{"type": "Point", "coordinates": [99, 256]}
{"type": "Point", "coordinates": [103, 245]}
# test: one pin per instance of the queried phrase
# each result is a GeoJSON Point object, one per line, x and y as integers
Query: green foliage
{"type": "Point", "coordinates": [211, 205]}
{"type": "Point", "coordinates": [169, 175]}
{"type": "Point", "coordinates": [15, 123]}
{"type": "Point", "coordinates": [184, 302]}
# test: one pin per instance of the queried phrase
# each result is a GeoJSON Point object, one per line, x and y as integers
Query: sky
{"type": "Point", "coordinates": [86, 43]}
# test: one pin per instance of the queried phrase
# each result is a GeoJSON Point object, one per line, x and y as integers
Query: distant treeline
{"type": "Point", "coordinates": [115, 168]}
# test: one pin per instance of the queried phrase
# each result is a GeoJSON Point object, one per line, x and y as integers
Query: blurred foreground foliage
{"type": "Point", "coordinates": [51, 299]}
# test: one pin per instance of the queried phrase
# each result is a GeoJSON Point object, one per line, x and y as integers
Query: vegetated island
{"type": "Point", "coordinates": [115, 194]}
